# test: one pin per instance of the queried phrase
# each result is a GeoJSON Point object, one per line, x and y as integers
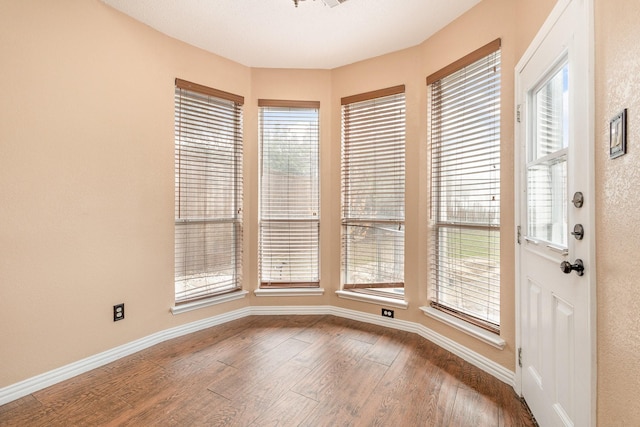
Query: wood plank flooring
{"type": "Point", "coordinates": [279, 371]}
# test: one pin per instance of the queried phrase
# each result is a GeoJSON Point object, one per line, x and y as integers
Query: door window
{"type": "Point", "coordinates": [547, 161]}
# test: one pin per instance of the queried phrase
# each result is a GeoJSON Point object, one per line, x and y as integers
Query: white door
{"type": "Point", "coordinates": [554, 161]}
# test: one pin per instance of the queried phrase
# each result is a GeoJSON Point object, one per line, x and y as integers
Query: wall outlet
{"type": "Point", "coordinates": [118, 312]}
{"type": "Point", "coordinates": [387, 313]}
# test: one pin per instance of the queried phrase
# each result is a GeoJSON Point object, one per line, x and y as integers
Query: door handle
{"type": "Point", "coordinates": [578, 232]}
{"type": "Point", "coordinates": [567, 267]}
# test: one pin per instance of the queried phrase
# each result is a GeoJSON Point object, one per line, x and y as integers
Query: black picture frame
{"type": "Point", "coordinates": [618, 135]}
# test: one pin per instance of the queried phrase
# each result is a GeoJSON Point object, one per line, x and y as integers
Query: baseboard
{"type": "Point", "coordinates": [39, 382]}
{"type": "Point", "coordinates": [476, 359]}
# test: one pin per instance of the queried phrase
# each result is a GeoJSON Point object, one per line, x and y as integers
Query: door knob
{"type": "Point", "coordinates": [567, 267]}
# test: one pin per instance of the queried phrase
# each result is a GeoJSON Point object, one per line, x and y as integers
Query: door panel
{"type": "Point", "coordinates": [554, 159]}
{"type": "Point", "coordinates": [564, 338]}
{"type": "Point", "coordinates": [533, 336]}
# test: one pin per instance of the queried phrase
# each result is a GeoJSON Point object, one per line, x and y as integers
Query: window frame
{"type": "Point", "coordinates": [371, 123]}
{"type": "Point", "coordinates": [204, 115]}
{"type": "Point", "coordinates": [266, 218]}
{"type": "Point", "coordinates": [440, 260]}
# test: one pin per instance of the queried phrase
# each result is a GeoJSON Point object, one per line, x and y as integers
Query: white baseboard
{"type": "Point", "coordinates": [39, 382]}
{"type": "Point", "coordinates": [476, 359]}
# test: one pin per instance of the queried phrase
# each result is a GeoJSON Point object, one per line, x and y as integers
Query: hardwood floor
{"type": "Point", "coordinates": [279, 371]}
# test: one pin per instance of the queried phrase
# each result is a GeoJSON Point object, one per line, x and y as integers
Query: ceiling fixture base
{"type": "Point", "coordinates": [330, 3]}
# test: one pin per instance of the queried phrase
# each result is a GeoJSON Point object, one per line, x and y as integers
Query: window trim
{"type": "Point", "coordinates": [469, 59]}
{"type": "Point", "coordinates": [281, 103]}
{"type": "Point", "coordinates": [289, 292]}
{"type": "Point", "coordinates": [205, 90]}
{"type": "Point", "coordinates": [373, 299]}
{"type": "Point", "coordinates": [367, 96]}
{"type": "Point", "coordinates": [492, 338]}
{"type": "Point", "coordinates": [196, 304]}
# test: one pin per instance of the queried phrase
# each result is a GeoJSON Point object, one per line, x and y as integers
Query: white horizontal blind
{"type": "Point", "coordinates": [373, 175]}
{"type": "Point", "coordinates": [289, 194]}
{"type": "Point", "coordinates": [465, 191]}
{"type": "Point", "coordinates": [208, 192]}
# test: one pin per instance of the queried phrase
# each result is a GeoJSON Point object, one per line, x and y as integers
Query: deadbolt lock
{"type": "Point", "coordinates": [578, 199]}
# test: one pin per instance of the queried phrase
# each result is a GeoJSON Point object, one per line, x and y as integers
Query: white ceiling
{"type": "Point", "coordinates": [276, 34]}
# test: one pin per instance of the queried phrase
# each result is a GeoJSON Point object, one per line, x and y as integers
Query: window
{"type": "Point", "coordinates": [465, 187]}
{"type": "Point", "coordinates": [289, 194]}
{"type": "Point", "coordinates": [547, 162]}
{"type": "Point", "coordinates": [373, 147]}
{"type": "Point", "coordinates": [208, 191]}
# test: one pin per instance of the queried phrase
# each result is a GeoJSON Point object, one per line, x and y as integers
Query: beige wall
{"type": "Point", "coordinates": [86, 178]}
{"type": "Point", "coordinates": [618, 216]}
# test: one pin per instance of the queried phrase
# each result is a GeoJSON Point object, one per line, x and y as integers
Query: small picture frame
{"type": "Point", "coordinates": [618, 135]}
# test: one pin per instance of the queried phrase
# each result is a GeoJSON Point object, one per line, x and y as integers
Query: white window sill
{"type": "Point", "coordinates": [373, 299]}
{"type": "Point", "coordinates": [466, 327]}
{"type": "Point", "coordinates": [218, 299]}
{"type": "Point", "coordinates": [289, 292]}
